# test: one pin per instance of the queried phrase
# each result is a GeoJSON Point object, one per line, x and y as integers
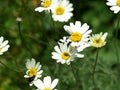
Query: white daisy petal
{"type": "Point", "coordinates": [3, 45]}
{"type": "Point", "coordinates": [38, 65]}
{"type": "Point", "coordinates": [57, 49]}
{"type": "Point", "coordinates": [33, 62]}
{"type": "Point", "coordinates": [114, 5]}
{"type": "Point", "coordinates": [104, 36]}
{"type": "Point", "coordinates": [47, 81]}
{"type": "Point", "coordinates": [5, 48]}
{"type": "Point", "coordinates": [38, 68]}
{"type": "Point", "coordinates": [1, 40]}
{"type": "Point", "coordinates": [39, 84]}
{"type": "Point", "coordinates": [79, 55]}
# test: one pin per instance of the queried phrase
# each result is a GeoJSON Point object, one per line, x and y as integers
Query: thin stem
{"type": "Point", "coordinates": [21, 37]}
{"type": "Point", "coordinates": [73, 72]}
{"type": "Point", "coordinates": [115, 41]}
{"type": "Point", "coordinates": [53, 24]}
{"type": "Point", "coordinates": [36, 40]}
{"type": "Point", "coordinates": [78, 80]}
{"type": "Point", "coordinates": [3, 64]}
{"type": "Point", "coordinates": [96, 60]}
{"type": "Point", "coordinates": [9, 68]}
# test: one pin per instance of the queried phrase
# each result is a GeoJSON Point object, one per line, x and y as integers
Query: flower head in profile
{"type": "Point", "coordinates": [62, 11]}
{"type": "Point", "coordinates": [45, 5]}
{"type": "Point", "coordinates": [98, 40]}
{"type": "Point", "coordinates": [115, 5]}
{"type": "Point", "coordinates": [33, 70]}
{"type": "Point", "coordinates": [78, 33]}
{"type": "Point", "coordinates": [3, 45]}
{"type": "Point", "coordinates": [46, 84]}
{"type": "Point", "coordinates": [65, 53]}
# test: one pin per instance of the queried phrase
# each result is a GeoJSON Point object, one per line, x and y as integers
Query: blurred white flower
{"type": "Point", "coordinates": [3, 45]}
{"type": "Point", "coordinates": [115, 5]}
{"type": "Point", "coordinates": [46, 84]}
{"type": "Point", "coordinates": [79, 35]}
{"type": "Point", "coordinates": [45, 5]}
{"type": "Point", "coordinates": [18, 19]}
{"type": "Point", "coordinates": [98, 40]}
{"type": "Point", "coordinates": [65, 53]}
{"type": "Point", "coordinates": [62, 11]}
{"type": "Point", "coordinates": [33, 70]}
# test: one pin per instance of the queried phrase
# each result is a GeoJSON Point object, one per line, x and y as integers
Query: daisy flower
{"type": "Point", "coordinates": [46, 84]}
{"type": "Point", "coordinates": [45, 5]}
{"type": "Point", "coordinates": [98, 40]}
{"type": "Point", "coordinates": [115, 5]}
{"type": "Point", "coordinates": [65, 53]}
{"type": "Point", "coordinates": [3, 45]}
{"type": "Point", "coordinates": [78, 33]}
{"type": "Point", "coordinates": [33, 70]}
{"type": "Point", "coordinates": [62, 11]}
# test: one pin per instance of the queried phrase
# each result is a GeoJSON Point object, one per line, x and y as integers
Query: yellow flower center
{"type": "Point", "coordinates": [65, 55]}
{"type": "Point", "coordinates": [32, 72]}
{"type": "Point", "coordinates": [47, 89]}
{"type": "Point", "coordinates": [60, 10]}
{"type": "Point", "coordinates": [98, 41]}
{"type": "Point", "coordinates": [47, 3]}
{"type": "Point", "coordinates": [76, 36]}
{"type": "Point", "coordinates": [118, 2]}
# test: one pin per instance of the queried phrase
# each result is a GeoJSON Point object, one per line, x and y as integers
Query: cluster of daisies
{"type": "Point", "coordinates": [79, 38]}
{"type": "Point", "coordinates": [69, 47]}
{"type": "Point", "coordinates": [34, 73]}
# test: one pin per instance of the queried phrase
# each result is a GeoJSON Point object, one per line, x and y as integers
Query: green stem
{"type": "Point", "coordinates": [53, 24]}
{"type": "Point", "coordinates": [77, 80]}
{"type": "Point", "coordinates": [73, 72]}
{"type": "Point", "coordinates": [9, 68]}
{"type": "Point", "coordinates": [115, 41]}
{"type": "Point", "coordinates": [21, 37]}
{"type": "Point", "coordinates": [96, 60]}
{"type": "Point", "coordinates": [3, 64]}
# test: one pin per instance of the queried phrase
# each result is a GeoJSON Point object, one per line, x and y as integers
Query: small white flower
{"type": "Point", "coordinates": [62, 11]}
{"type": "Point", "coordinates": [46, 84]}
{"type": "Point", "coordinates": [45, 5]}
{"type": "Point", "coordinates": [78, 34]}
{"type": "Point", "coordinates": [65, 53]}
{"type": "Point", "coordinates": [3, 45]}
{"type": "Point", "coordinates": [18, 19]}
{"type": "Point", "coordinates": [98, 40]}
{"type": "Point", "coordinates": [115, 5]}
{"type": "Point", "coordinates": [33, 70]}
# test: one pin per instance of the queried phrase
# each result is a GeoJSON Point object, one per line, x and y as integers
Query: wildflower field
{"type": "Point", "coordinates": [60, 45]}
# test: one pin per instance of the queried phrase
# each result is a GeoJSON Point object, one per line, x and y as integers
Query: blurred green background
{"type": "Point", "coordinates": [39, 39]}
